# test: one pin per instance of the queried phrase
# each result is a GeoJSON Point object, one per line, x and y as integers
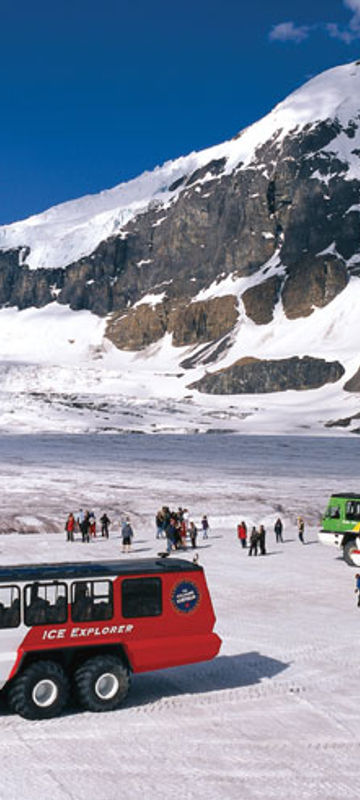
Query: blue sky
{"type": "Point", "coordinates": [93, 93]}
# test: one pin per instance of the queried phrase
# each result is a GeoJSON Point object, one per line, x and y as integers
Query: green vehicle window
{"type": "Point", "coordinates": [351, 510]}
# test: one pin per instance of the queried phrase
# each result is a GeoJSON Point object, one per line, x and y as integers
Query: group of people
{"type": "Point", "coordinates": [84, 522]}
{"type": "Point", "coordinates": [257, 536]}
{"type": "Point", "coordinates": [257, 541]}
{"type": "Point", "coordinates": [176, 527]}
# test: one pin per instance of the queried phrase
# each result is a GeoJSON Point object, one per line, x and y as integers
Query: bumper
{"type": "Point", "coordinates": [174, 651]}
{"type": "Point", "coordinates": [330, 538]}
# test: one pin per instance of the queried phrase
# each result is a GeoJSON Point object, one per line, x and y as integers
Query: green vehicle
{"type": "Point", "coordinates": [341, 526]}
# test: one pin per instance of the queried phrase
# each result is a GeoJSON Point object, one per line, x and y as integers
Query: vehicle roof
{"type": "Point", "coordinates": [93, 569]}
{"type": "Point", "coordinates": [347, 496]}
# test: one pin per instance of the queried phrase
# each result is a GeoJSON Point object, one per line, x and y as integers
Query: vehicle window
{"type": "Point", "coordinates": [9, 606]}
{"type": "Point", "coordinates": [45, 603]}
{"type": "Point", "coordinates": [91, 600]}
{"type": "Point", "coordinates": [334, 512]}
{"type": "Point", "coordinates": [349, 510]}
{"type": "Point", "coordinates": [353, 510]}
{"type": "Point", "coordinates": [141, 597]}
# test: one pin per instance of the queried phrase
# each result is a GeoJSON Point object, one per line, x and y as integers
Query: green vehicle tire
{"type": "Point", "coordinates": [348, 549]}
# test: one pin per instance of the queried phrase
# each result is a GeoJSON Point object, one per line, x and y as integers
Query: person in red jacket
{"type": "Point", "coordinates": [242, 533]}
{"type": "Point", "coordinates": [70, 527]}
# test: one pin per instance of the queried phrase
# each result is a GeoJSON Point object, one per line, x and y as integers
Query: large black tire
{"type": "Point", "coordinates": [102, 683]}
{"type": "Point", "coordinates": [347, 552]}
{"type": "Point", "coordinates": [41, 691]}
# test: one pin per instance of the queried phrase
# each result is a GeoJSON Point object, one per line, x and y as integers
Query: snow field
{"type": "Point", "coordinates": [81, 383]}
{"type": "Point", "coordinates": [276, 714]}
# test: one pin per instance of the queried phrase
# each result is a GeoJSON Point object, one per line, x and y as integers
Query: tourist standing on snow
{"type": "Point", "coordinates": [84, 527]}
{"type": "Point", "coordinates": [254, 538]}
{"type": "Point", "coordinates": [193, 534]}
{"type": "Point", "coordinates": [159, 523]}
{"type": "Point", "coordinates": [357, 587]}
{"type": "Point", "coordinates": [301, 529]}
{"type": "Point", "coordinates": [127, 534]}
{"type": "Point", "coordinates": [92, 525]}
{"type": "Point", "coordinates": [183, 534]}
{"type": "Point", "coordinates": [262, 534]}
{"type": "Point", "coordinates": [278, 528]}
{"type": "Point", "coordinates": [105, 522]}
{"type": "Point", "coordinates": [79, 517]}
{"type": "Point", "coordinates": [180, 514]}
{"type": "Point", "coordinates": [205, 526]}
{"type": "Point", "coordinates": [186, 519]}
{"type": "Point", "coordinates": [170, 531]}
{"type": "Point", "coordinates": [166, 513]}
{"type": "Point", "coordinates": [242, 533]}
{"type": "Point", "coordinates": [70, 527]}
{"type": "Point", "coordinates": [178, 540]}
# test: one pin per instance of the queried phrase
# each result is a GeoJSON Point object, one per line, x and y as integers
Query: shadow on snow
{"type": "Point", "coordinates": [224, 672]}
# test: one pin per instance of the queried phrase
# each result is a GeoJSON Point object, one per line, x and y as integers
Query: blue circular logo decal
{"type": "Point", "coordinates": [186, 597]}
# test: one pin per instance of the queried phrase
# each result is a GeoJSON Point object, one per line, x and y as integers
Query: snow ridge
{"type": "Point", "coordinates": [69, 231]}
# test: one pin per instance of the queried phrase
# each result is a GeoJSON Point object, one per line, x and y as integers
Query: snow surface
{"type": "Point", "coordinates": [59, 373]}
{"type": "Point", "coordinates": [69, 231]}
{"type": "Point", "coordinates": [276, 714]}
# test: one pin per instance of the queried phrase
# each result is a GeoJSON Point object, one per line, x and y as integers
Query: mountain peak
{"type": "Point", "coordinates": [332, 94]}
{"type": "Point", "coordinates": [65, 233]}
{"type": "Point", "coordinates": [224, 272]}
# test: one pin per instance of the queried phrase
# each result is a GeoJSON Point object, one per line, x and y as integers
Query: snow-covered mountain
{"type": "Point", "coordinates": [72, 230]}
{"type": "Point", "coordinates": [219, 290]}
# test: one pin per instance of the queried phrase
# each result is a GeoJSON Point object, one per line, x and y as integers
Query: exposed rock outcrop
{"type": "Point", "coordinates": [137, 328]}
{"type": "Point", "coordinates": [313, 283]}
{"type": "Point", "coordinates": [343, 422]}
{"type": "Point", "coordinates": [253, 376]}
{"type": "Point", "coordinates": [189, 323]}
{"type": "Point", "coordinates": [203, 321]}
{"type": "Point", "coordinates": [22, 287]}
{"type": "Point", "coordinates": [260, 300]}
{"type": "Point", "coordinates": [353, 384]}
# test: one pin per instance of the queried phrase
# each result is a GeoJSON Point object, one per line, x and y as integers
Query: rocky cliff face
{"type": "Point", "coordinates": [252, 376]}
{"type": "Point", "coordinates": [189, 323]}
{"type": "Point", "coordinates": [292, 201]}
{"type": "Point", "coordinates": [284, 229]}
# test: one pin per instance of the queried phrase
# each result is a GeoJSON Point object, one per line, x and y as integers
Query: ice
{"type": "Point", "coordinates": [276, 714]}
{"type": "Point", "coordinates": [59, 373]}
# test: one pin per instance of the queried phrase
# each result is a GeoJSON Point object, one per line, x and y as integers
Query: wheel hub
{"type": "Point", "coordinates": [45, 693]}
{"type": "Point", "coordinates": [106, 686]}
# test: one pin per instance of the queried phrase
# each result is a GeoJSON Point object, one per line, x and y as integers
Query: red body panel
{"type": "Point", "coordinates": [173, 651]}
{"type": "Point", "coordinates": [182, 634]}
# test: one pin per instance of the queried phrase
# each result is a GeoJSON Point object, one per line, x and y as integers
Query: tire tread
{"type": "Point", "coordinates": [19, 690]}
{"type": "Point", "coordinates": [87, 673]}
